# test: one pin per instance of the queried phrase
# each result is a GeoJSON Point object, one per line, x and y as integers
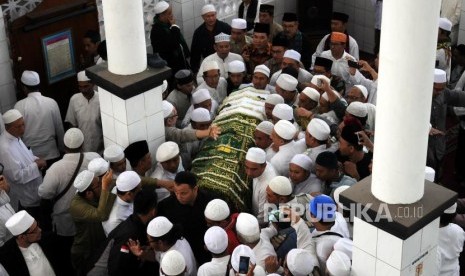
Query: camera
{"type": "Point", "coordinates": [354, 64]}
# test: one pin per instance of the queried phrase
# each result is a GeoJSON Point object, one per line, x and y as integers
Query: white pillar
{"type": "Point", "coordinates": [407, 58]}
{"type": "Point", "coordinates": [7, 84]}
{"type": "Point", "coordinates": [124, 32]}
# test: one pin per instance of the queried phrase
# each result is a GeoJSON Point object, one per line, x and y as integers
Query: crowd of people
{"type": "Point", "coordinates": [70, 206]}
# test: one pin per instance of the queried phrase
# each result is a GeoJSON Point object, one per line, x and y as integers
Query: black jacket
{"type": "Point", "coordinates": [251, 13]}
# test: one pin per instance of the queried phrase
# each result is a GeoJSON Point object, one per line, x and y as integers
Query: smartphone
{"type": "Point", "coordinates": [244, 265]}
{"type": "Point", "coordinates": [354, 64]}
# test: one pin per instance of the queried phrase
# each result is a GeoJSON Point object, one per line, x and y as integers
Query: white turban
{"type": "Point", "coordinates": [30, 78]}
{"type": "Point", "coordinates": [362, 89]}
{"type": "Point", "coordinates": [319, 129]}
{"type": "Point", "coordinates": [73, 138]}
{"type": "Point", "coordinates": [200, 115]}
{"type": "Point", "coordinates": [217, 210]}
{"type": "Point", "coordinates": [292, 54]}
{"type": "Point", "coordinates": [344, 245]}
{"type": "Point", "coordinates": [242, 250]}
{"type": "Point", "coordinates": [167, 151]}
{"type": "Point", "coordinates": [216, 240]}
{"type": "Point", "coordinates": [236, 66]}
{"type": "Point", "coordinates": [262, 69]}
{"type": "Point", "coordinates": [127, 181]}
{"type": "Point", "coordinates": [173, 263]}
{"type": "Point", "coordinates": [83, 180]}
{"type": "Point", "coordinates": [445, 24]}
{"type": "Point", "coordinates": [303, 161]}
{"type": "Point", "coordinates": [239, 23]}
{"type": "Point", "coordinates": [283, 112]}
{"type": "Point", "coordinates": [99, 166]}
{"type": "Point", "coordinates": [274, 99]}
{"type": "Point", "coordinates": [338, 263]}
{"type": "Point", "coordinates": [200, 95]}
{"type": "Point", "coordinates": [265, 127]}
{"type": "Point", "coordinates": [357, 109]}
{"type": "Point", "coordinates": [247, 227]}
{"type": "Point", "coordinates": [440, 76]}
{"type": "Point", "coordinates": [256, 155]}
{"type": "Point", "coordinates": [208, 8]}
{"type": "Point", "coordinates": [113, 153]}
{"type": "Point", "coordinates": [167, 109]}
{"type": "Point", "coordinates": [285, 129]}
{"type": "Point", "coordinates": [160, 7]}
{"type": "Point", "coordinates": [299, 262]}
{"type": "Point", "coordinates": [11, 115]}
{"type": "Point", "coordinates": [452, 209]}
{"type": "Point", "coordinates": [19, 222]}
{"type": "Point", "coordinates": [210, 65]}
{"type": "Point", "coordinates": [159, 226]}
{"type": "Point", "coordinates": [222, 37]}
{"type": "Point", "coordinates": [287, 82]}
{"type": "Point", "coordinates": [281, 185]}
{"type": "Point", "coordinates": [82, 76]}
{"type": "Point", "coordinates": [311, 93]}
{"type": "Point", "coordinates": [430, 173]}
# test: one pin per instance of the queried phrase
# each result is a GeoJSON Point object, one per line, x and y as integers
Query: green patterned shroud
{"type": "Point", "coordinates": [220, 163]}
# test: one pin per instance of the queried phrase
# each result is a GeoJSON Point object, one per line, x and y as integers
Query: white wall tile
{"type": "Point", "coordinates": [122, 136]}
{"type": "Point", "coordinates": [411, 249]}
{"type": "Point", "coordinates": [155, 126]}
{"type": "Point", "coordinates": [134, 108]}
{"type": "Point", "coordinates": [189, 28]}
{"type": "Point", "coordinates": [105, 100]}
{"type": "Point", "coordinates": [108, 126]}
{"type": "Point", "coordinates": [7, 96]}
{"type": "Point", "coordinates": [177, 10]}
{"type": "Point", "coordinates": [107, 142]}
{"type": "Point", "coordinates": [137, 131]}
{"type": "Point", "coordinates": [462, 21]}
{"type": "Point", "coordinates": [4, 52]}
{"type": "Point", "coordinates": [153, 101]}
{"type": "Point", "coordinates": [461, 39]}
{"type": "Point", "coordinates": [153, 146]}
{"type": "Point", "coordinates": [2, 30]}
{"type": "Point", "coordinates": [359, 17]}
{"type": "Point", "coordinates": [363, 264]}
{"type": "Point", "coordinates": [119, 109]}
{"type": "Point", "coordinates": [429, 235]}
{"type": "Point", "coordinates": [198, 7]}
{"type": "Point", "coordinates": [6, 75]}
{"type": "Point", "coordinates": [384, 269]}
{"type": "Point", "coordinates": [198, 20]}
{"type": "Point", "coordinates": [365, 236]}
{"type": "Point", "coordinates": [187, 10]}
{"type": "Point", "coordinates": [389, 249]}
{"type": "Point", "coordinates": [463, 5]}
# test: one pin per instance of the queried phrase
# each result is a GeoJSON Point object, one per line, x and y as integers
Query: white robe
{"type": "Point", "coordinates": [43, 127]}
{"type": "Point", "coordinates": [281, 159]}
{"type": "Point", "coordinates": [21, 171]}
{"type": "Point", "coordinates": [85, 115]}
{"type": "Point", "coordinates": [6, 211]}
{"type": "Point", "coordinates": [120, 211]}
{"type": "Point", "coordinates": [259, 191]}
{"type": "Point", "coordinates": [217, 267]}
{"type": "Point", "coordinates": [36, 261]}
{"type": "Point", "coordinates": [218, 93]}
{"type": "Point", "coordinates": [450, 243]}
{"type": "Point", "coordinates": [340, 66]}
{"type": "Point", "coordinates": [183, 247]}
{"type": "Point", "coordinates": [160, 173]}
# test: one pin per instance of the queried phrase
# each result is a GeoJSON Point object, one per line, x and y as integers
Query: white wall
{"type": "Point", "coordinates": [461, 39]}
{"type": "Point", "coordinates": [361, 21]}
{"type": "Point", "coordinates": [7, 84]}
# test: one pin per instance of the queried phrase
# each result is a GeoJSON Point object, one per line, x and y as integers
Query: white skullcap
{"type": "Point", "coordinates": [283, 112]}
{"type": "Point", "coordinates": [222, 37]}
{"type": "Point", "coordinates": [210, 65]}
{"type": "Point", "coordinates": [287, 82]}
{"type": "Point", "coordinates": [292, 54]}
{"type": "Point", "coordinates": [113, 153]}
{"type": "Point", "coordinates": [299, 262]}
{"type": "Point", "coordinates": [216, 240]}
{"type": "Point", "coordinates": [11, 115]}
{"type": "Point", "coordinates": [285, 129]}
{"type": "Point", "coordinates": [208, 8]}
{"type": "Point", "coordinates": [303, 161]}
{"type": "Point", "coordinates": [30, 78]}
{"type": "Point", "coordinates": [83, 180]}
{"type": "Point", "coordinates": [164, 86]}
{"type": "Point", "coordinates": [167, 151]}
{"type": "Point", "coordinates": [82, 76]}
{"type": "Point", "coordinates": [239, 23]}
{"type": "Point", "coordinates": [241, 250]}
{"type": "Point", "coordinates": [256, 155]}
{"type": "Point", "coordinates": [161, 7]}
{"type": "Point", "coordinates": [362, 89]}
{"type": "Point", "coordinates": [200, 115]}
{"type": "Point", "coordinates": [73, 138]}
{"type": "Point", "coordinates": [319, 129]}
{"type": "Point", "coordinates": [262, 69]}
{"type": "Point", "coordinates": [312, 93]}
{"type": "Point", "coordinates": [127, 181]}
{"type": "Point", "coordinates": [247, 225]}
{"type": "Point", "coordinates": [445, 24]}
{"type": "Point", "coordinates": [200, 95]}
{"type": "Point", "coordinates": [236, 66]}
{"type": "Point", "coordinates": [344, 245]}
{"type": "Point", "coordinates": [337, 192]}
{"type": "Point", "coordinates": [265, 127]}
{"type": "Point", "coordinates": [440, 76]}
{"type": "Point", "coordinates": [357, 109]}
{"type": "Point", "coordinates": [99, 166]}
{"type": "Point", "coordinates": [429, 174]}
{"type": "Point", "coordinates": [217, 210]}
{"type": "Point", "coordinates": [19, 222]}
{"type": "Point", "coordinates": [281, 185]}
{"type": "Point", "coordinates": [315, 79]}
{"type": "Point", "coordinates": [173, 263]}
{"type": "Point", "coordinates": [338, 263]}
{"type": "Point", "coordinates": [274, 99]}
{"type": "Point", "coordinates": [452, 209]}
{"type": "Point", "coordinates": [167, 109]}
{"type": "Point", "coordinates": [159, 226]}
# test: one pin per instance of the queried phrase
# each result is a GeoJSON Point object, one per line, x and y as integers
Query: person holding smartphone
{"type": "Point", "coordinates": [6, 211]}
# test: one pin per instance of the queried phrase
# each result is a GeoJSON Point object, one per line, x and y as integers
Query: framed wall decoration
{"type": "Point", "coordinates": [59, 56]}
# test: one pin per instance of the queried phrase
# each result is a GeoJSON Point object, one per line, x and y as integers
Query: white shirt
{"type": "Point", "coordinates": [6, 211]}
{"type": "Point", "coordinates": [340, 67]}
{"type": "Point", "coordinates": [281, 159]}
{"type": "Point", "coordinates": [259, 185]}
{"type": "Point", "coordinates": [85, 115]}
{"type": "Point", "coordinates": [445, 62]}
{"type": "Point", "coordinates": [314, 152]}
{"type": "Point", "coordinates": [217, 267]}
{"type": "Point", "coordinates": [264, 248]}
{"type": "Point", "coordinates": [222, 63]}
{"type": "Point", "coordinates": [309, 185]}
{"type": "Point", "coordinates": [450, 244]}
{"type": "Point", "coordinates": [121, 211]}
{"type": "Point", "coordinates": [183, 247]}
{"type": "Point", "coordinates": [353, 51]}
{"type": "Point", "coordinates": [218, 93]}
{"type": "Point", "coordinates": [21, 171]}
{"type": "Point", "coordinates": [160, 173]}
{"type": "Point", "coordinates": [55, 181]}
{"type": "Point", "coordinates": [304, 76]}
{"type": "Point", "coordinates": [370, 85]}
{"type": "Point", "coordinates": [187, 118]}
{"type": "Point", "coordinates": [324, 246]}
{"type": "Point", "coordinates": [43, 126]}
{"type": "Point", "coordinates": [36, 261]}
{"type": "Point", "coordinates": [268, 87]}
